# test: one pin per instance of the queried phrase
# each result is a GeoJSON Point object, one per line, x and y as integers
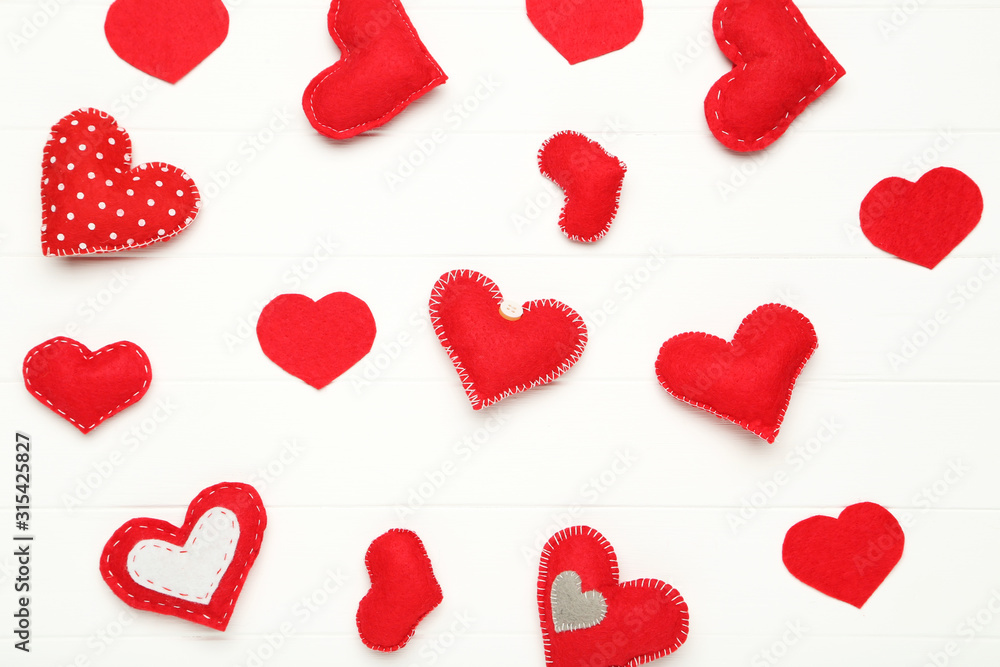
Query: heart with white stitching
{"type": "Point", "coordinates": [500, 348]}
{"type": "Point", "coordinates": [94, 201]}
{"type": "Point", "coordinates": [590, 618]}
{"type": "Point", "coordinates": [779, 68]}
{"type": "Point", "coordinates": [85, 387]}
{"type": "Point", "coordinates": [195, 571]}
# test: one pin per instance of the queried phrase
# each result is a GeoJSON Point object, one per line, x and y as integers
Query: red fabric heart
{"type": "Point", "coordinates": [922, 222]}
{"type": "Point", "coordinates": [779, 68]}
{"type": "Point", "coordinates": [93, 201]}
{"type": "Point", "coordinates": [240, 504]}
{"type": "Point", "coordinates": [383, 67]}
{"type": "Point", "coordinates": [495, 356]}
{"type": "Point", "coordinates": [748, 381]}
{"type": "Point", "coordinates": [403, 591]}
{"type": "Point", "coordinates": [316, 341]}
{"type": "Point", "coordinates": [846, 558]}
{"type": "Point", "coordinates": [592, 180]}
{"type": "Point", "coordinates": [642, 620]}
{"type": "Point", "coordinates": [85, 387]}
{"type": "Point", "coordinates": [166, 38]}
{"type": "Point", "coordinates": [585, 29]}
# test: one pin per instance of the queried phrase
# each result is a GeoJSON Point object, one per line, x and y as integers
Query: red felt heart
{"type": "Point", "coordinates": [166, 38]}
{"type": "Point", "coordinates": [592, 180]}
{"type": "Point", "coordinates": [922, 222]}
{"type": "Point", "coordinates": [403, 591]}
{"type": "Point", "coordinates": [779, 68]}
{"type": "Point", "coordinates": [585, 29]}
{"type": "Point", "coordinates": [316, 341]}
{"type": "Point", "coordinates": [94, 201]}
{"type": "Point", "coordinates": [747, 381]}
{"type": "Point", "coordinates": [495, 355]}
{"type": "Point", "coordinates": [194, 572]}
{"type": "Point", "coordinates": [588, 618]}
{"type": "Point", "coordinates": [86, 387]}
{"type": "Point", "coordinates": [846, 558]}
{"type": "Point", "coordinates": [382, 69]}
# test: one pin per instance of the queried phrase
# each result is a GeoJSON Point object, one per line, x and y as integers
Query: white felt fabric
{"type": "Point", "coordinates": [191, 572]}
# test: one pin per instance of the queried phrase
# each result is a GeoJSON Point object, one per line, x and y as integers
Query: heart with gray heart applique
{"type": "Point", "coordinates": [589, 618]}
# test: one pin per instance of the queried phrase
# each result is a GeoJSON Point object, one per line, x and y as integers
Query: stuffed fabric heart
{"type": "Point", "coordinates": [501, 348]}
{"type": "Point", "coordinates": [94, 201]}
{"type": "Point", "coordinates": [589, 618]}
{"type": "Point", "coordinates": [749, 380]}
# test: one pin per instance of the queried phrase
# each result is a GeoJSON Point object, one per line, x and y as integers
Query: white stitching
{"type": "Point", "coordinates": [163, 166]}
{"type": "Point", "coordinates": [217, 622]}
{"type": "Point", "coordinates": [346, 52]}
{"type": "Point", "coordinates": [746, 425]}
{"type": "Point", "coordinates": [357, 616]}
{"type": "Point", "coordinates": [838, 71]}
{"type": "Point", "coordinates": [670, 591]}
{"type": "Point", "coordinates": [87, 354]}
{"type": "Point", "coordinates": [467, 383]}
{"type": "Point", "coordinates": [562, 213]}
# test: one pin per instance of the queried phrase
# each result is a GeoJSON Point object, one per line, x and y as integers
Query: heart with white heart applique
{"type": "Point", "coordinates": [194, 572]}
{"type": "Point", "coordinates": [589, 618]}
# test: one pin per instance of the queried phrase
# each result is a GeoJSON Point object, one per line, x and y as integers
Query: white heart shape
{"type": "Point", "coordinates": [572, 609]}
{"type": "Point", "coordinates": [191, 572]}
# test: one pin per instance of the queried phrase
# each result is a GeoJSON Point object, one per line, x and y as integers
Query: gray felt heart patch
{"type": "Point", "coordinates": [572, 609]}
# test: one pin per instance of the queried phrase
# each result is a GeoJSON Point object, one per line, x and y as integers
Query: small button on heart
{"type": "Point", "coordinates": [511, 311]}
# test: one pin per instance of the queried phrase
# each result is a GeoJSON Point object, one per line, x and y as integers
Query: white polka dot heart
{"type": "Point", "coordinates": [94, 201]}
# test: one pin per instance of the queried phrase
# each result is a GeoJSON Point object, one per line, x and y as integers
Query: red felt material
{"type": "Point", "coordinates": [403, 591]}
{"type": "Point", "coordinates": [85, 387]}
{"type": "Point", "coordinates": [779, 68]}
{"type": "Point", "coordinates": [383, 67]}
{"type": "Point", "coordinates": [166, 38]}
{"type": "Point", "coordinates": [94, 201]}
{"type": "Point", "coordinates": [846, 558]}
{"type": "Point", "coordinates": [646, 618]}
{"type": "Point", "coordinates": [496, 357]}
{"type": "Point", "coordinates": [316, 341]}
{"type": "Point", "coordinates": [592, 180]}
{"type": "Point", "coordinates": [244, 502]}
{"type": "Point", "coordinates": [747, 380]}
{"type": "Point", "coordinates": [922, 222]}
{"type": "Point", "coordinates": [584, 29]}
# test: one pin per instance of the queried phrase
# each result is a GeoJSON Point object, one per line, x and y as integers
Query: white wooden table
{"type": "Point", "coordinates": [703, 237]}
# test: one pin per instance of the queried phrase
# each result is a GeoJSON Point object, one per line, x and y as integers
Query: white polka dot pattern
{"type": "Point", "coordinates": [94, 201]}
